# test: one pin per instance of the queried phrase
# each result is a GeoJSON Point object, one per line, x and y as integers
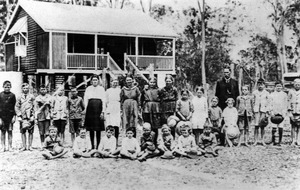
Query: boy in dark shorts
{"type": "Point", "coordinates": [25, 115]}
{"type": "Point", "coordinates": [43, 112]}
{"type": "Point", "coordinates": [7, 115]}
{"type": "Point", "coordinates": [244, 105]}
{"type": "Point", "coordinates": [60, 112]}
{"type": "Point", "coordinates": [76, 106]}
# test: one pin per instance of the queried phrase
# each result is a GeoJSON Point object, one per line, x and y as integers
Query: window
{"type": "Point", "coordinates": [81, 43]}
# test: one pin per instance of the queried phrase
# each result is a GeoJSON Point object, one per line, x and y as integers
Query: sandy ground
{"type": "Point", "coordinates": [237, 168]}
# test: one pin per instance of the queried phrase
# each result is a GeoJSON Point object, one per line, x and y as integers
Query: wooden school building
{"type": "Point", "coordinates": [50, 42]}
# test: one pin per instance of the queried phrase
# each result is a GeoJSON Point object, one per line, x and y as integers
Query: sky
{"type": "Point", "coordinates": [255, 9]}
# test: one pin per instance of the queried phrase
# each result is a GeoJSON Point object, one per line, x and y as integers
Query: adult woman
{"type": "Point", "coordinates": [94, 98]}
{"type": "Point", "coordinates": [169, 96]}
{"type": "Point", "coordinates": [113, 111]}
{"type": "Point", "coordinates": [151, 106]}
{"type": "Point", "coordinates": [130, 104]}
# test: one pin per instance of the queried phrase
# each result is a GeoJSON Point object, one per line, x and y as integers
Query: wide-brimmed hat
{"type": "Point", "coordinates": [277, 119]}
{"type": "Point", "coordinates": [168, 155]}
{"type": "Point", "coordinates": [172, 121]}
{"type": "Point", "coordinates": [263, 122]}
{"type": "Point", "coordinates": [181, 124]}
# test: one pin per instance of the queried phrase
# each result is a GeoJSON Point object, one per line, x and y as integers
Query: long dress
{"type": "Point", "coordinates": [151, 107]}
{"type": "Point", "coordinates": [94, 98]}
{"type": "Point", "coordinates": [200, 112]}
{"type": "Point", "coordinates": [113, 110]}
{"type": "Point", "coordinates": [130, 100]}
{"type": "Point", "coordinates": [168, 96]}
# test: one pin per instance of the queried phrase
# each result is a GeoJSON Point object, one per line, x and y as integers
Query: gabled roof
{"type": "Point", "coordinates": [85, 19]}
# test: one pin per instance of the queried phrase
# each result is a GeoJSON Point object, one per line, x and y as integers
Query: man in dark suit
{"type": "Point", "coordinates": [226, 88]}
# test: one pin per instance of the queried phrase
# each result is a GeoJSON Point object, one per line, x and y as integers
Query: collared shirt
{"type": "Point", "coordinates": [279, 103]}
{"type": "Point", "coordinates": [186, 143]}
{"type": "Point", "coordinates": [25, 106]}
{"type": "Point", "coordinates": [76, 107]}
{"type": "Point", "coordinates": [60, 107]}
{"type": "Point", "coordinates": [130, 144]}
{"type": "Point", "coordinates": [261, 101]}
{"type": "Point", "coordinates": [43, 107]}
{"type": "Point", "coordinates": [108, 143]}
{"type": "Point", "coordinates": [81, 145]}
{"type": "Point", "coordinates": [245, 103]}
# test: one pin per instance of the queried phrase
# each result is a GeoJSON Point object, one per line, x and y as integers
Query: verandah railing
{"type": "Point", "coordinates": [161, 63]}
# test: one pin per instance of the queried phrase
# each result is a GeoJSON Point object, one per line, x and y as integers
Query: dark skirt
{"type": "Point", "coordinates": [92, 117]}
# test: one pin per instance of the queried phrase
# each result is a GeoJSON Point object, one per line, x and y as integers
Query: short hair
{"type": "Point", "coordinates": [183, 91]}
{"type": "Point", "coordinates": [130, 129]}
{"type": "Point", "coordinates": [95, 76]}
{"type": "Point", "coordinates": [129, 76]}
{"type": "Point", "coordinates": [165, 126]}
{"type": "Point", "coordinates": [6, 82]}
{"type": "Point", "coordinates": [42, 86]}
{"type": "Point", "coordinates": [278, 82]}
{"type": "Point", "coordinates": [82, 129]}
{"type": "Point", "coordinates": [52, 128]}
{"type": "Point", "coordinates": [169, 77]}
{"type": "Point", "coordinates": [24, 84]}
{"type": "Point", "coordinates": [246, 86]}
{"type": "Point", "coordinates": [199, 88]}
{"type": "Point", "coordinates": [230, 100]}
{"type": "Point", "coordinates": [110, 128]}
{"type": "Point", "coordinates": [206, 127]}
{"type": "Point", "coordinates": [146, 124]}
{"type": "Point", "coordinates": [214, 98]}
{"type": "Point", "coordinates": [260, 81]}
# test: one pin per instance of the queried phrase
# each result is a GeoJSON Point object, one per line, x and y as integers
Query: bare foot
{"type": "Point", "coordinates": [23, 149]}
{"type": "Point", "coordinates": [246, 144]}
{"type": "Point", "coordinates": [263, 143]}
{"type": "Point", "coordinates": [239, 145]}
{"type": "Point", "coordinates": [255, 143]}
{"type": "Point", "coordinates": [2, 150]}
{"type": "Point", "coordinates": [293, 144]}
{"type": "Point", "coordinates": [47, 156]}
{"type": "Point", "coordinates": [30, 148]}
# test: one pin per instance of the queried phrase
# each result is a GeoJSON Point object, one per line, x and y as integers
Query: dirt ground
{"type": "Point", "coordinates": [237, 168]}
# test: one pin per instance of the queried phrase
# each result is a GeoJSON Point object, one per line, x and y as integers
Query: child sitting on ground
{"type": "Point", "coordinates": [82, 146]}
{"type": "Point", "coordinates": [108, 144]}
{"type": "Point", "coordinates": [186, 143]}
{"type": "Point", "coordinates": [208, 142]}
{"type": "Point", "coordinates": [53, 145]}
{"type": "Point", "coordinates": [230, 128]}
{"type": "Point", "coordinates": [148, 148]}
{"type": "Point", "coordinates": [130, 146]}
{"type": "Point", "coordinates": [165, 142]}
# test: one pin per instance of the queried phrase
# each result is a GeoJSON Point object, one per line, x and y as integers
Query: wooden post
{"type": "Point", "coordinates": [136, 50]}
{"type": "Point", "coordinates": [104, 78]}
{"type": "Point", "coordinates": [232, 70]}
{"type": "Point", "coordinates": [96, 51]}
{"type": "Point", "coordinates": [240, 79]}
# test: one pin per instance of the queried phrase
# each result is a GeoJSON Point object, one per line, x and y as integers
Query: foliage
{"type": "Point", "coordinates": [263, 54]}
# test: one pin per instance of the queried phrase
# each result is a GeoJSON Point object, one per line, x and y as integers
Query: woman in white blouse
{"type": "Point", "coordinates": [94, 99]}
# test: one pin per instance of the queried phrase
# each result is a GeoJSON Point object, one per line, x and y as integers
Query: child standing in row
{"type": "Point", "coordinates": [261, 109]}
{"type": "Point", "coordinates": [294, 109]}
{"type": "Point", "coordinates": [278, 107]}
{"type": "Point", "coordinates": [60, 112]}
{"type": "Point", "coordinates": [244, 105]}
{"type": "Point", "coordinates": [43, 104]}
{"type": "Point", "coordinates": [215, 116]}
{"type": "Point", "coordinates": [184, 107]}
{"type": "Point", "coordinates": [25, 112]}
{"type": "Point", "coordinates": [7, 115]}
{"type": "Point", "coordinates": [76, 107]}
{"type": "Point", "coordinates": [200, 114]}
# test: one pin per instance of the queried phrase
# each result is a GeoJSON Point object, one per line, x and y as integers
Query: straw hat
{"type": "Point", "coordinates": [172, 121]}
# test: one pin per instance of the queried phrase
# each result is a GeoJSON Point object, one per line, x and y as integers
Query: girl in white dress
{"type": "Point", "coordinates": [113, 109]}
{"type": "Point", "coordinates": [200, 113]}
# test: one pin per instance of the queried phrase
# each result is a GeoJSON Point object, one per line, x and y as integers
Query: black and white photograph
{"type": "Point", "coordinates": [149, 94]}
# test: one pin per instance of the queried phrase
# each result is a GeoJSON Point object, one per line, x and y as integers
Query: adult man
{"type": "Point", "coordinates": [226, 88]}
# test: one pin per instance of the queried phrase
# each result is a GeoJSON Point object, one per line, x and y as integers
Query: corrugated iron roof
{"type": "Point", "coordinates": [86, 19]}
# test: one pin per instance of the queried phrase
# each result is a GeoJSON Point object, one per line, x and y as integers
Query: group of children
{"type": "Point", "coordinates": [200, 128]}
